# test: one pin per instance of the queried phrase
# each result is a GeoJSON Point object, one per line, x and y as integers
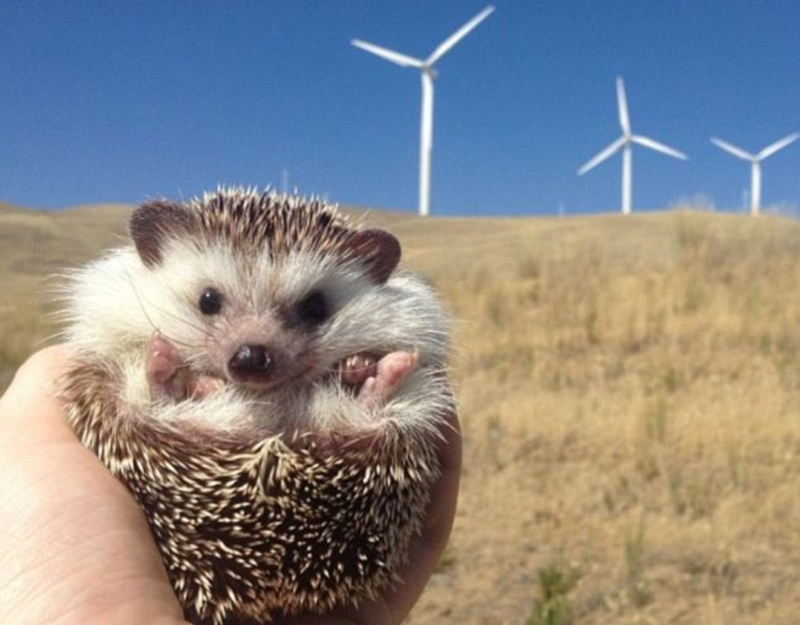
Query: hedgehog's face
{"type": "Point", "coordinates": [246, 315]}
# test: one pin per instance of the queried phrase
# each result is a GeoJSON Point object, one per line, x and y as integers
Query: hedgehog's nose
{"type": "Point", "coordinates": [250, 361]}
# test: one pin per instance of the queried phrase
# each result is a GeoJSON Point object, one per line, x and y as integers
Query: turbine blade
{"type": "Point", "coordinates": [457, 36]}
{"type": "Point", "coordinates": [658, 147]}
{"type": "Point", "coordinates": [601, 156]}
{"type": "Point", "coordinates": [732, 149]}
{"type": "Point", "coordinates": [389, 55]}
{"type": "Point", "coordinates": [778, 145]}
{"type": "Point", "coordinates": [622, 103]}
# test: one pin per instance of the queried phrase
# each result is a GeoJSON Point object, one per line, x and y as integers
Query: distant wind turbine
{"type": "Point", "coordinates": [755, 160]}
{"type": "Point", "coordinates": [428, 74]}
{"type": "Point", "coordinates": [625, 143]}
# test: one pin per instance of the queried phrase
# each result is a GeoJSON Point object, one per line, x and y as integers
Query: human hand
{"type": "Point", "coordinates": [75, 547]}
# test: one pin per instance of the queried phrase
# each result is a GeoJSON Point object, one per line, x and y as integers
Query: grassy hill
{"type": "Point", "coordinates": [630, 398]}
{"type": "Point", "coordinates": [36, 245]}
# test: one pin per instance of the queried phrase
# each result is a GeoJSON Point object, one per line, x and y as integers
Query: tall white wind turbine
{"type": "Point", "coordinates": [625, 143]}
{"type": "Point", "coordinates": [755, 160]}
{"type": "Point", "coordinates": [428, 74]}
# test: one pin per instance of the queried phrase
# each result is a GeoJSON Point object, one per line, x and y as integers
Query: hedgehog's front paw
{"type": "Point", "coordinates": [164, 369]}
{"type": "Point", "coordinates": [355, 369]}
{"type": "Point", "coordinates": [168, 376]}
{"type": "Point", "coordinates": [376, 380]}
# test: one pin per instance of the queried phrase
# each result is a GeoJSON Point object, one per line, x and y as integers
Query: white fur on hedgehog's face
{"type": "Point", "coordinates": [251, 320]}
{"type": "Point", "coordinates": [116, 304]}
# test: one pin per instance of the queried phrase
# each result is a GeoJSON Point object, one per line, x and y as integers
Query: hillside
{"type": "Point", "coordinates": [630, 399]}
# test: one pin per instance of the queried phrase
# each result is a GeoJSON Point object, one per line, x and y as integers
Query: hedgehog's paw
{"type": "Point", "coordinates": [163, 365]}
{"type": "Point", "coordinates": [389, 373]}
{"type": "Point", "coordinates": [169, 378]}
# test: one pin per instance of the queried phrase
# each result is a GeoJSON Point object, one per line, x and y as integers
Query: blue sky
{"type": "Point", "coordinates": [107, 101]}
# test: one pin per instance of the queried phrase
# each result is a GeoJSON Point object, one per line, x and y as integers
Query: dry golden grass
{"type": "Point", "coordinates": [35, 246]}
{"type": "Point", "coordinates": [630, 398]}
{"type": "Point", "coordinates": [630, 401]}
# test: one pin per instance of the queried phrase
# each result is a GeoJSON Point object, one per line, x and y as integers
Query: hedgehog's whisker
{"type": "Point", "coordinates": [196, 357]}
{"type": "Point", "coordinates": [46, 340]}
{"type": "Point", "coordinates": [140, 302]}
{"type": "Point", "coordinates": [179, 318]}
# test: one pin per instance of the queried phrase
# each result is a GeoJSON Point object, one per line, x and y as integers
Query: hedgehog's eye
{"type": "Point", "coordinates": [210, 302]}
{"type": "Point", "coordinates": [313, 309]}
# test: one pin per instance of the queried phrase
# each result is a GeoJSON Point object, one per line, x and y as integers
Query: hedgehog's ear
{"type": "Point", "coordinates": [152, 224]}
{"type": "Point", "coordinates": [378, 250]}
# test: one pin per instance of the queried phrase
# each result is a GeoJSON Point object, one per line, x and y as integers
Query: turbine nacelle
{"type": "Point", "coordinates": [430, 71]}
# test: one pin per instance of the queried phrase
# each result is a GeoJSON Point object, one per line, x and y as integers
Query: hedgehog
{"type": "Point", "coordinates": [271, 389]}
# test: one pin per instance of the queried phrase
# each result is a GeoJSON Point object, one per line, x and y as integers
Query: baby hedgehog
{"type": "Point", "coordinates": [270, 388]}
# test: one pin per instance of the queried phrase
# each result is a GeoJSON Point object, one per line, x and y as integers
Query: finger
{"type": "Point", "coordinates": [30, 409]}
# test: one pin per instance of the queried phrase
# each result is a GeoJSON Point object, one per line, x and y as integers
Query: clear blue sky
{"type": "Point", "coordinates": [121, 101]}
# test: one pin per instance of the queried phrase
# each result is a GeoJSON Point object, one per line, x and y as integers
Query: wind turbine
{"type": "Point", "coordinates": [755, 160]}
{"type": "Point", "coordinates": [428, 74]}
{"type": "Point", "coordinates": [625, 143]}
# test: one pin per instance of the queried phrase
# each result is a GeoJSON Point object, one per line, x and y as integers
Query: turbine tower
{"type": "Point", "coordinates": [428, 74]}
{"type": "Point", "coordinates": [755, 160]}
{"type": "Point", "coordinates": [625, 143]}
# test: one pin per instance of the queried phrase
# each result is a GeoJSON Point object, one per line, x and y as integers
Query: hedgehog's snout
{"type": "Point", "coordinates": [251, 363]}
